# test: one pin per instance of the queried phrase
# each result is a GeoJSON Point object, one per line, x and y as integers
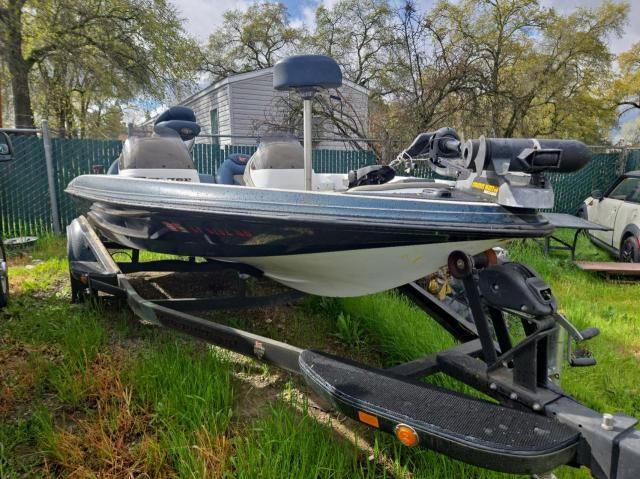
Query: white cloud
{"type": "Point", "coordinates": [307, 20]}
{"type": "Point", "coordinates": [203, 16]}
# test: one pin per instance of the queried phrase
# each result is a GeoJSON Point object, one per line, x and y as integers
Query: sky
{"type": "Point", "coordinates": [203, 16]}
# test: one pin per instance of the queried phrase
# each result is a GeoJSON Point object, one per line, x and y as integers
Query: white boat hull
{"type": "Point", "coordinates": [360, 272]}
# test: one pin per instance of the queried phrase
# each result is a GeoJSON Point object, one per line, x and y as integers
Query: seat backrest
{"type": "Point", "coordinates": [277, 163]}
{"type": "Point", "coordinates": [278, 154]}
{"type": "Point", "coordinates": [155, 152]}
{"type": "Point", "coordinates": [177, 119]}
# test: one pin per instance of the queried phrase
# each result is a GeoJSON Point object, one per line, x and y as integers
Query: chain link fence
{"type": "Point", "coordinates": [28, 199]}
{"type": "Point", "coordinates": [25, 207]}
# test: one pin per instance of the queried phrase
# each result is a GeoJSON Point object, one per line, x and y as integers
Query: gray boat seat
{"type": "Point", "coordinates": [281, 155]}
{"type": "Point", "coordinates": [305, 72]}
{"type": "Point", "coordinates": [155, 152]}
{"type": "Point", "coordinates": [285, 154]}
{"type": "Point", "coordinates": [279, 163]}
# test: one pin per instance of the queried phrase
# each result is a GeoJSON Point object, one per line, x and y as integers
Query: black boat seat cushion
{"type": "Point", "coordinates": [176, 113]}
{"type": "Point", "coordinates": [178, 119]}
{"type": "Point", "coordinates": [301, 72]}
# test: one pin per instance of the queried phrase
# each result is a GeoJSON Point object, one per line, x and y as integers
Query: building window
{"type": "Point", "coordinates": [215, 125]}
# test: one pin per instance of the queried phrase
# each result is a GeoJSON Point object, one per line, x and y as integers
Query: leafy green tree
{"type": "Point", "coordinates": [534, 71]}
{"type": "Point", "coordinates": [626, 88]}
{"type": "Point", "coordinates": [358, 34]}
{"type": "Point", "coordinates": [122, 47]}
{"type": "Point", "coordinates": [250, 40]}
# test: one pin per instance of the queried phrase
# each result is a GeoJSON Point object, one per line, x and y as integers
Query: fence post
{"type": "Point", "coordinates": [625, 156]}
{"type": "Point", "coordinates": [48, 156]}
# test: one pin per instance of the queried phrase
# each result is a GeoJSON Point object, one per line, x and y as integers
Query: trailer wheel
{"type": "Point", "coordinates": [4, 277]}
{"type": "Point", "coordinates": [80, 292]}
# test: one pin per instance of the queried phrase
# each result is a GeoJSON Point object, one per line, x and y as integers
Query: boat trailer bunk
{"type": "Point", "coordinates": [532, 427]}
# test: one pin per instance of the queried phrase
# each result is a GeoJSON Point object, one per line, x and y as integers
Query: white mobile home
{"type": "Point", "coordinates": [241, 107]}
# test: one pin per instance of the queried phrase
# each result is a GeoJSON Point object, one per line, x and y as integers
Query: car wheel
{"type": "Point", "coordinates": [582, 212]}
{"type": "Point", "coordinates": [4, 277]}
{"type": "Point", "coordinates": [629, 251]}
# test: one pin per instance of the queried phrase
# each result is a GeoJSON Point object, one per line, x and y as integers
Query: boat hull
{"type": "Point", "coordinates": [321, 243]}
{"type": "Point", "coordinates": [363, 271]}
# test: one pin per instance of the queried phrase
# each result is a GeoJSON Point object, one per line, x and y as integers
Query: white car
{"type": "Point", "coordinates": [619, 209]}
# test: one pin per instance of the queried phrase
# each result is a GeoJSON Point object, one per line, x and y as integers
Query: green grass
{"type": "Point", "coordinates": [188, 392]}
{"type": "Point", "coordinates": [290, 443]}
{"type": "Point", "coordinates": [88, 391]}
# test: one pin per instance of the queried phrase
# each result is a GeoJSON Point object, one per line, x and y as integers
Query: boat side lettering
{"type": "Point", "coordinates": [179, 228]}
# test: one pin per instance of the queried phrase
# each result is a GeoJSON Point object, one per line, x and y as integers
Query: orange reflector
{"type": "Point", "coordinates": [368, 419]}
{"type": "Point", "coordinates": [407, 435]}
{"type": "Point", "coordinates": [492, 257]}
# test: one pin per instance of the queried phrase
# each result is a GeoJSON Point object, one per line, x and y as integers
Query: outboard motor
{"type": "Point", "coordinates": [166, 155]}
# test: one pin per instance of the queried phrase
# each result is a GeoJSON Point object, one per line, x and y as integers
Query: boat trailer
{"type": "Point", "coordinates": [530, 427]}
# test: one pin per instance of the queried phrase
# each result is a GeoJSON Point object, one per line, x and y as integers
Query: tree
{"type": "Point", "coordinates": [535, 72]}
{"type": "Point", "coordinates": [358, 35]}
{"type": "Point", "coordinates": [251, 40]}
{"type": "Point", "coordinates": [136, 46]}
{"type": "Point", "coordinates": [626, 88]}
{"type": "Point", "coordinates": [424, 79]}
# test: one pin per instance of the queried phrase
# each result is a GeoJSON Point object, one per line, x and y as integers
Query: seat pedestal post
{"type": "Point", "coordinates": [307, 97]}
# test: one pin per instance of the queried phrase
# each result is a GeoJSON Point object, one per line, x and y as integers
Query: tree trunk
{"type": "Point", "coordinates": [21, 95]}
{"type": "Point", "coordinates": [18, 67]}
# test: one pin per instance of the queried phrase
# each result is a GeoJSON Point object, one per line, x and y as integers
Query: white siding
{"type": "Point", "coordinates": [248, 105]}
{"type": "Point", "coordinates": [203, 103]}
{"type": "Point", "coordinates": [352, 109]}
{"type": "Point", "coordinates": [254, 103]}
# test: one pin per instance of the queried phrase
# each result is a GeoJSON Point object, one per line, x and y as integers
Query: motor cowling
{"type": "Point", "coordinates": [516, 288]}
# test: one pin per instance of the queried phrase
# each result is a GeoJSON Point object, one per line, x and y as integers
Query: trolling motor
{"type": "Point", "coordinates": [516, 289]}
{"type": "Point", "coordinates": [509, 169]}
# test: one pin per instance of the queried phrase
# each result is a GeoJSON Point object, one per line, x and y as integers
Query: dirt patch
{"type": "Point", "coordinates": [23, 368]}
{"type": "Point", "coordinates": [111, 436]}
{"type": "Point", "coordinates": [19, 258]}
{"type": "Point", "coordinates": [633, 351]}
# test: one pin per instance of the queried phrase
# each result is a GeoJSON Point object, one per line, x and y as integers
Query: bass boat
{"type": "Point", "coordinates": [338, 234]}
